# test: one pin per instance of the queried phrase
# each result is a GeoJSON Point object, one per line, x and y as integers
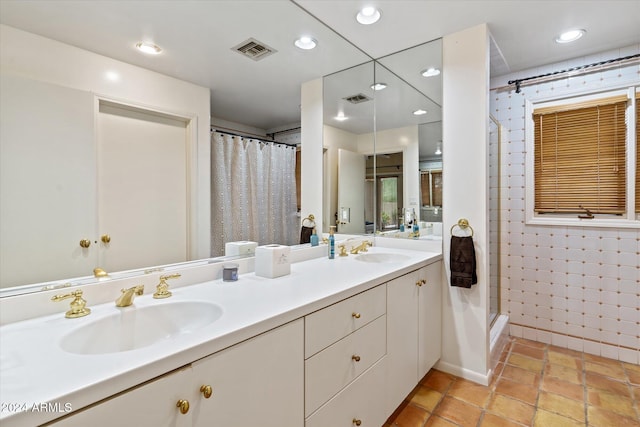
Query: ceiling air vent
{"type": "Point", "coordinates": [357, 99]}
{"type": "Point", "coordinates": [254, 49]}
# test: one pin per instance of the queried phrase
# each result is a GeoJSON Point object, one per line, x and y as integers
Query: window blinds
{"type": "Point", "coordinates": [579, 157]}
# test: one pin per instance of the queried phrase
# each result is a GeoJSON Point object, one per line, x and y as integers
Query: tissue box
{"type": "Point", "coordinates": [272, 261]}
{"type": "Point", "coordinates": [242, 247]}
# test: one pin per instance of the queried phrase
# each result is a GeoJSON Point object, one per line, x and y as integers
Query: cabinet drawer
{"type": "Point", "coordinates": [362, 400]}
{"type": "Point", "coordinates": [327, 372]}
{"type": "Point", "coordinates": [330, 324]}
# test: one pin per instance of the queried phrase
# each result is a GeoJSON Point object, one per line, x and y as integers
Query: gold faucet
{"type": "Point", "coordinates": [162, 290]}
{"type": "Point", "coordinates": [78, 304]}
{"type": "Point", "coordinates": [126, 298]}
{"type": "Point", "coordinates": [343, 250]}
{"type": "Point", "coordinates": [99, 272]}
{"type": "Point", "coordinates": [362, 247]}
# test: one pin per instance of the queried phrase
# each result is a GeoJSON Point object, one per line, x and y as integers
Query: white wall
{"type": "Point", "coordinates": [38, 58]}
{"type": "Point", "coordinates": [311, 157]}
{"type": "Point", "coordinates": [465, 337]}
{"type": "Point", "coordinates": [574, 287]}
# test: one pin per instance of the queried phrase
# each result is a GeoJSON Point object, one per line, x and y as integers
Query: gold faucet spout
{"type": "Point", "coordinates": [362, 247]}
{"type": "Point", "coordinates": [126, 297]}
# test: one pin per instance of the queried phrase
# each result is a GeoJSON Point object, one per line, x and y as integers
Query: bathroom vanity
{"type": "Point", "coordinates": [336, 342]}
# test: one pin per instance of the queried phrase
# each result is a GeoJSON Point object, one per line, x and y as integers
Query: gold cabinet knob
{"type": "Point", "coordinates": [105, 238]}
{"type": "Point", "coordinates": [85, 243]}
{"type": "Point", "coordinates": [356, 422]}
{"type": "Point", "coordinates": [206, 391]}
{"type": "Point", "coordinates": [355, 315]}
{"type": "Point", "coordinates": [355, 358]}
{"type": "Point", "coordinates": [183, 405]}
{"type": "Point", "coordinates": [418, 283]}
{"type": "Point", "coordinates": [424, 282]}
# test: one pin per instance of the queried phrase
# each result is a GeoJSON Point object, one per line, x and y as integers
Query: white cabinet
{"type": "Point", "coordinates": [256, 382]}
{"type": "Point", "coordinates": [151, 404]}
{"type": "Point", "coordinates": [344, 377]}
{"type": "Point", "coordinates": [413, 330]}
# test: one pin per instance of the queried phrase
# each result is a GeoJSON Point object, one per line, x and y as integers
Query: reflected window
{"type": "Point", "coordinates": [388, 202]}
{"type": "Point", "coordinates": [431, 188]}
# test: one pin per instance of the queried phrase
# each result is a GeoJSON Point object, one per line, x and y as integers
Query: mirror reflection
{"type": "Point", "coordinates": [387, 115]}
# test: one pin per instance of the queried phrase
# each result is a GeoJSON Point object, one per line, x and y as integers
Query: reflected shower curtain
{"type": "Point", "coordinates": [253, 192]}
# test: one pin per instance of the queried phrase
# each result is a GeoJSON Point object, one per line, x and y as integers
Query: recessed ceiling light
{"type": "Point", "coordinates": [341, 117]}
{"type": "Point", "coordinates": [419, 112]}
{"type": "Point", "coordinates": [148, 48]}
{"type": "Point", "coordinates": [570, 36]}
{"type": "Point", "coordinates": [368, 15]}
{"type": "Point", "coordinates": [378, 86]}
{"type": "Point", "coordinates": [306, 43]}
{"type": "Point", "coordinates": [430, 72]}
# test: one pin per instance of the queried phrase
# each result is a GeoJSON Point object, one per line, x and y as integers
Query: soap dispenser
{"type": "Point", "coordinates": [314, 238]}
{"type": "Point", "coordinates": [332, 242]}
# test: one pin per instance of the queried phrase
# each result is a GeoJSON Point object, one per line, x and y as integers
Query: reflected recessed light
{"type": "Point", "coordinates": [112, 75]}
{"type": "Point", "coordinates": [378, 86]}
{"type": "Point", "coordinates": [306, 43]}
{"type": "Point", "coordinates": [570, 36]}
{"type": "Point", "coordinates": [341, 117]}
{"type": "Point", "coordinates": [430, 72]}
{"type": "Point", "coordinates": [368, 15]}
{"type": "Point", "coordinates": [420, 112]}
{"type": "Point", "coordinates": [148, 48]}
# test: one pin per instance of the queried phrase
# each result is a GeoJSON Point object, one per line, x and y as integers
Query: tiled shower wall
{"type": "Point", "coordinates": [574, 287]}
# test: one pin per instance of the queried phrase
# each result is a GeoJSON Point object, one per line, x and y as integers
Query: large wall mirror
{"type": "Point", "coordinates": [52, 161]}
{"type": "Point", "coordinates": [383, 142]}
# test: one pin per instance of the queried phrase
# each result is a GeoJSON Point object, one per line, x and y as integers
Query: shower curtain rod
{"type": "Point", "coordinates": [518, 82]}
{"type": "Point", "coordinates": [214, 129]}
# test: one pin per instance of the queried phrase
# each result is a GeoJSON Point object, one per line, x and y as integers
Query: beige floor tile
{"type": "Point", "coordinates": [470, 392]}
{"type": "Point", "coordinates": [612, 369]}
{"type": "Point", "coordinates": [530, 343]}
{"type": "Point", "coordinates": [459, 412]}
{"type": "Point", "coordinates": [524, 362]}
{"type": "Point", "coordinates": [411, 416]}
{"type": "Point", "coordinates": [599, 417]}
{"type": "Point", "coordinates": [566, 360]}
{"type": "Point", "coordinates": [511, 409]}
{"type": "Point", "coordinates": [435, 421]}
{"type": "Point", "coordinates": [523, 392]}
{"type": "Point", "coordinates": [521, 375]}
{"type": "Point", "coordinates": [607, 384]}
{"type": "Point", "coordinates": [563, 373]}
{"type": "Point", "coordinates": [567, 351]}
{"type": "Point", "coordinates": [426, 398]}
{"type": "Point", "coordinates": [611, 402]}
{"type": "Point", "coordinates": [437, 380]}
{"type": "Point", "coordinates": [564, 406]}
{"type": "Point", "coordinates": [631, 367]}
{"type": "Point", "coordinates": [532, 352]}
{"type": "Point", "coordinates": [490, 420]}
{"type": "Point", "coordinates": [564, 388]}
{"type": "Point", "coordinates": [549, 419]}
{"type": "Point", "coordinates": [634, 376]}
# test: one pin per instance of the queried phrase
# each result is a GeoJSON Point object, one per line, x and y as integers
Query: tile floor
{"type": "Point", "coordinates": [535, 384]}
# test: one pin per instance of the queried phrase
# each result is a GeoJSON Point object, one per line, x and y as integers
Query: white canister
{"type": "Point", "coordinates": [272, 261]}
{"type": "Point", "coordinates": [243, 247]}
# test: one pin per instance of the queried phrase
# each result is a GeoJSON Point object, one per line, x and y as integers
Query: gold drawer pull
{"type": "Point", "coordinates": [183, 405]}
{"type": "Point", "coordinates": [357, 422]}
{"type": "Point", "coordinates": [206, 391]}
{"type": "Point", "coordinates": [355, 315]}
{"type": "Point", "coordinates": [421, 282]}
{"type": "Point", "coordinates": [355, 358]}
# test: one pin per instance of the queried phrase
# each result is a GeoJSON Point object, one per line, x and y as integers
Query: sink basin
{"type": "Point", "coordinates": [134, 328]}
{"type": "Point", "coordinates": [381, 258]}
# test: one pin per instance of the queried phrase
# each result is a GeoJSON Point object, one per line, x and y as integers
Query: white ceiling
{"type": "Point", "coordinates": [197, 37]}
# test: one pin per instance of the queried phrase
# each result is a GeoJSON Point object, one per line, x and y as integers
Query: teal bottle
{"type": "Point", "coordinates": [332, 242]}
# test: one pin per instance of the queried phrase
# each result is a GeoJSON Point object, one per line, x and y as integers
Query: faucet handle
{"type": "Point", "coordinates": [343, 250]}
{"type": "Point", "coordinates": [78, 304]}
{"type": "Point", "coordinates": [162, 290]}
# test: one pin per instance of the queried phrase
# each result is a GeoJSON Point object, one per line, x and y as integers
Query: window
{"type": "Point", "coordinates": [431, 187]}
{"type": "Point", "coordinates": [585, 159]}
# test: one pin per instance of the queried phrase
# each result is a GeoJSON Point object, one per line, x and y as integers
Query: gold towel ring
{"type": "Point", "coordinates": [463, 224]}
{"type": "Point", "coordinates": [312, 221]}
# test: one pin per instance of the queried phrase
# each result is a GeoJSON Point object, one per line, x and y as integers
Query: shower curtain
{"type": "Point", "coordinates": [253, 192]}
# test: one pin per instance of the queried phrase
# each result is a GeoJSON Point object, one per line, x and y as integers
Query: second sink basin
{"type": "Point", "coordinates": [381, 257]}
{"type": "Point", "coordinates": [134, 328]}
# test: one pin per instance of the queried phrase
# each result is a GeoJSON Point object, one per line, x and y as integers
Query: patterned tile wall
{"type": "Point", "coordinates": [574, 287]}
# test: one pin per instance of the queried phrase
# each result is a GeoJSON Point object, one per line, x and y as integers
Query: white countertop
{"type": "Point", "coordinates": [34, 369]}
